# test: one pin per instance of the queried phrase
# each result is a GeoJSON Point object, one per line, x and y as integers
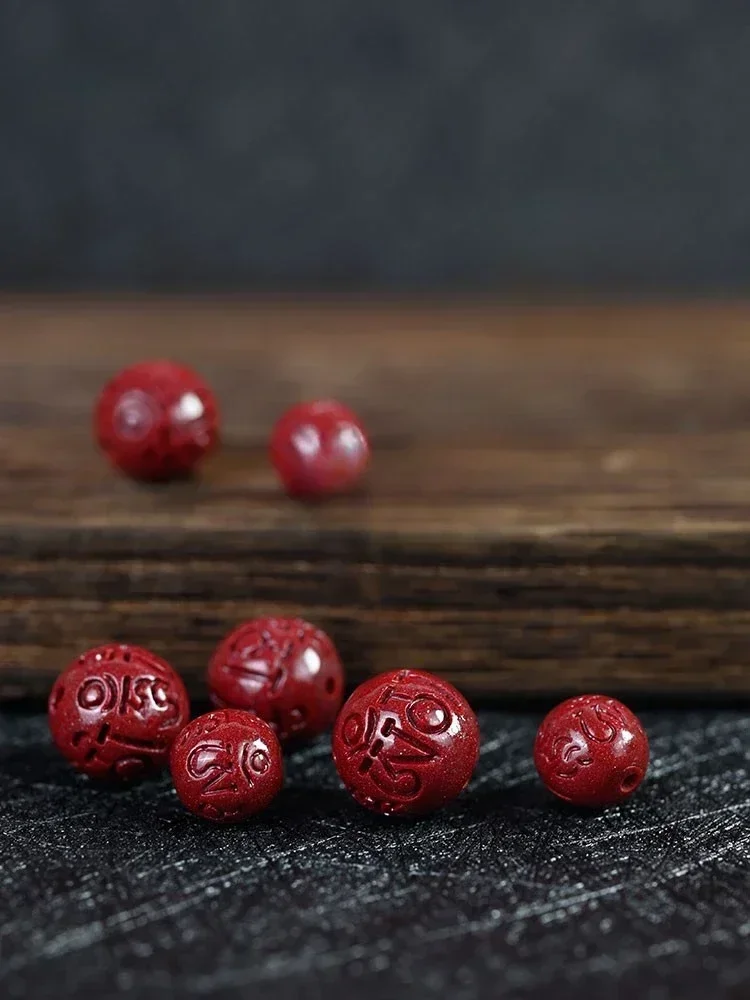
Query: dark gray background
{"type": "Point", "coordinates": [507, 894]}
{"type": "Point", "coordinates": [438, 144]}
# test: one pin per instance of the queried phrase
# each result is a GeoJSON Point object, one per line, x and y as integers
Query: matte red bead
{"type": "Point", "coordinates": [227, 765]}
{"type": "Point", "coordinates": [591, 751]}
{"type": "Point", "coordinates": [319, 449]}
{"type": "Point", "coordinates": [405, 743]}
{"type": "Point", "coordinates": [156, 420]}
{"type": "Point", "coordinates": [116, 710]}
{"type": "Point", "coordinates": [285, 670]}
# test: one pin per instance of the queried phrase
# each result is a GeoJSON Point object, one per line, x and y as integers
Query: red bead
{"type": "Point", "coordinates": [405, 743]}
{"type": "Point", "coordinates": [116, 710]}
{"type": "Point", "coordinates": [591, 751]}
{"type": "Point", "coordinates": [156, 420]}
{"type": "Point", "coordinates": [227, 765]}
{"type": "Point", "coordinates": [285, 670]}
{"type": "Point", "coordinates": [319, 449]}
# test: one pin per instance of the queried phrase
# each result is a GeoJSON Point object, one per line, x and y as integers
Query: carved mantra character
{"type": "Point", "coordinates": [591, 751]}
{"type": "Point", "coordinates": [284, 670]}
{"type": "Point", "coordinates": [405, 742]}
{"type": "Point", "coordinates": [227, 765]}
{"type": "Point", "coordinates": [116, 710]}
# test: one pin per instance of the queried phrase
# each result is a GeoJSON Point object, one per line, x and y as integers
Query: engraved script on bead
{"type": "Point", "coordinates": [597, 723]}
{"type": "Point", "coordinates": [142, 695]}
{"type": "Point", "coordinates": [392, 754]}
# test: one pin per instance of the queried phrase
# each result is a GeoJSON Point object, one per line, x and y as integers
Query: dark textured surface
{"type": "Point", "coordinates": [425, 143]}
{"type": "Point", "coordinates": [507, 894]}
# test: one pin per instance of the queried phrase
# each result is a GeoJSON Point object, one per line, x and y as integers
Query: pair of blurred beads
{"type": "Point", "coordinates": [158, 420]}
{"type": "Point", "coordinates": [405, 743]}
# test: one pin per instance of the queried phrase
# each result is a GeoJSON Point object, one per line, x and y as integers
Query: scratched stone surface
{"type": "Point", "coordinates": [507, 894]}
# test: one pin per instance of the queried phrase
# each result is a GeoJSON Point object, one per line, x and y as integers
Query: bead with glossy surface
{"type": "Point", "coordinates": [405, 743]}
{"type": "Point", "coordinates": [156, 420]}
{"type": "Point", "coordinates": [319, 449]}
{"type": "Point", "coordinates": [591, 751]}
{"type": "Point", "coordinates": [285, 670]}
{"type": "Point", "coordinates": [226, 765]}
{"type": "Point", "coordinates": [115, 712]}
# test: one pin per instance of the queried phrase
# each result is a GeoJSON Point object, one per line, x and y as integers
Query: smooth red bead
{"type": "Point", "coordinates": [319, 449]}
{"type": "Point", "coordinates": [116, 710]}
{"type": "Point", "coordinates": [227, 765]}
{"type": "Point", "coordinates": [285, 670]}
{"type": "Point", "coordinates": [405, 743]}
{"type": "Point", "coordinates": [156, 420]}
{"type": "Point", "coordinates": [591, 751]}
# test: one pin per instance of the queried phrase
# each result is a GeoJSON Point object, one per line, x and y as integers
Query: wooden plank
{"type": "Point", "coordinates": [560, 497]}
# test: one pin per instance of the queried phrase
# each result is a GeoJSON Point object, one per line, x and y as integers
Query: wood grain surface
{"type": "Point", "coordinates": [559, 500]}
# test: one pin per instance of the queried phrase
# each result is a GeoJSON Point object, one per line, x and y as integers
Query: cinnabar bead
{"type": "Point", "coordinates": [319, 449]}
{"type": "Point", "coordinates": [156, 420]}
{"type": "Point", "coordinates": [405, 743]}
{"type": "Point", "coordinates": [285, 670]}
{"type": "Point", "coordinates": [116, 710]}
{"type": "Point", "coordinates": [591, 751]}
{"type": "Point", "coordinates": [227, 765]}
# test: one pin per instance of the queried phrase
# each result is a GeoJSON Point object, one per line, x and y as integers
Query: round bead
{"type": "Point", "coordinates": [405, 743]}
{"type": "Point", "coordinates": [116, 710]}
{"type": "Point", "coordinates": [227, 765]}
{"type": "Point", "coordinates": [591, 751]}
{"type": "Point", "coordinates": [319, 449]}
{"type": "Point", "coordinates": [156, 420]}
{"type": "Point", "coordinates": [285, 670]}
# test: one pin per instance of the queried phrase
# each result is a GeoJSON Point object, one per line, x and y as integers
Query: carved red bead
{"type": "Point", "coordinates": [156, 420]}
{"type": "Point", "coordinates": [116, 710]}
{"type": "Point", "coordinates": [319, 449]}
{"type": "Point", "coordinates": [227, 765]}
{"type": "Point", "coordinates": [405, 743]}
{"type": "Point", "coordinates": [591, 751]}
{"type": "Point", "coordinates": [285, 670]}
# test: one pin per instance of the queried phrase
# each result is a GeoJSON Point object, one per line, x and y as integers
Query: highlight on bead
{"type": "Point", "coordinates": [156, 420]}
{"type": "Point", "coordinates": [319, 449]}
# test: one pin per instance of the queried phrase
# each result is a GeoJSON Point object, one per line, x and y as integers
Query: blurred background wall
{"type": "Point", "coordinates": [367, 144]}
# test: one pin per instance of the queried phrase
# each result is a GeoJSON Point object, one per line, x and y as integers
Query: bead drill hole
{"type": "Point", "coordinates": [330, 685]}
{"type": "Point", "coordinates": [629, 781]}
